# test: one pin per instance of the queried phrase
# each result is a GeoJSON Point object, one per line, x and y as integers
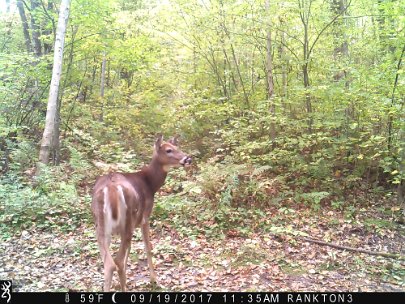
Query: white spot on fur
{"type": "Point", "coordinates": [106, 201]}
{"type": "Point", "coordinates": [123, 204]}
{"type": "Point", "coordinates": [115, 226]}
{"type": "Point", "coordinates": [126, 257]}
{"type": "Point", "coordinates": [122, 209]}
{"type": "Point", "coordinates": [111, 225]}
{"type": "Point", "coordinates": [107, 214]}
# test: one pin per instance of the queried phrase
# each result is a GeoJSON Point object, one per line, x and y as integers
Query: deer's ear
{"type": "Point", "coordinates": [158, 141]}
{"type": "Point", "coordinates": [174, 140]}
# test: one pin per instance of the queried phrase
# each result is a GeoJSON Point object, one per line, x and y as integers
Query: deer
{"type": "Point", "coordinates": [122, 202]}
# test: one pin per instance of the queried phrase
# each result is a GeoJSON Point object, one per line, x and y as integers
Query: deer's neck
{"type": "Point", "coordinates": [155, 174]}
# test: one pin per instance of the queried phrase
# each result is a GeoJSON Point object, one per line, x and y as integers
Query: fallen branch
{"type": "Point", "coordinates": [384, 254]}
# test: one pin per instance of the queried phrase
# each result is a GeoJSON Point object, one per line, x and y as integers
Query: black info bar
{"type": "Point", "coordinates": [203, 297]}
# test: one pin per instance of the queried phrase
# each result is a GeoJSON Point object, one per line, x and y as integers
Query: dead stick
{"type": "Point", "coordinates": [384, 254]}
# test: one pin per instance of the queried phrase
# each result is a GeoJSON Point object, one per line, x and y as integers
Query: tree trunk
{"type": "Point", "coordinates": [102, 86]}
{"type": "Point", "coordinates": [305, 12]}
{"type": "Point", "coordinates": [194, 71]}
{"type": "Point", "coordinates": [390, 115]}
{"type": "Point", "coordinates": [49, 140]}
{"type": "Point", "coordinates": [341, 44]}
{"type": "Point", "coordinates": [48, 31]}
{"type": "Point", "coordinates": [401, 138]}
{"type": "Point", "coordinates": [385, 22]}
{"type": "Point", "coordinates": [24, 22]}
{"type": "Point", "coordinates": [232, 75]}
{"type": "Point", "coordinates": [270, 81]}
{"type": "Point", "coordinates": [35, 29]}
{"type": "Point", "coordinates": [226, 84]}
{"type": "Point", "coordinates": [308, 102]}
{"type": "Point", "coordinates": [214, 65]}
{"type": "Point", "coordinates": [341, 50]}
{"type": "Point", "coordinates": [401, 185]}
{"type": "Point", "coordinates": [284, 66]}
{"type": "Point", "coordinates": [245, 95]}
{"type": "Point", "coordinates": [269, 61]}
{"type": "Point", "coordinates": [55, 137]}
{"type": "Point", "coordinates": [234, 58]}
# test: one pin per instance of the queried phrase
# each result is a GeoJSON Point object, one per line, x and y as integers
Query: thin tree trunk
{"type": "Point", "coordinates": [284, 69]}
{"type": "Point", "coordinates": [341, 44]}
{"type": "Point", "coordinates": [340, 55]}
{"type": "Point", "coordinates": [385, 22]}
{"type": "Point", "coordinates": [270, 80]}
{"type": "Point", "coordinates": [401, 137]}
{"type": "Point", "coordinates": [390, 115]}
{"type": "Point", "coordinates": [269, 62]}
{"type": "Point", "coordinates": [195, 70]}
{"type": "Point", "coordinates": [56, 152]}
{"type": "Point", "coordinates": [56, 134]}
{"type": "Point", "coordinates": [284, 66]}
{"type": "Point", "coordinates": [35, 30]}
{"type": "Point", "coordinates": [227, 83]}
{"type": "Point", "coordinates": [227, 62]}
{"type": "Point", "coordinates": [80, 95]}
{"type": "Point", "coordinates": [214, 67]}
{"type": "Point", "coordinates": [305, 11]}
{"type": "Point", "coordinates": [24, 22]}
{"type": "Point", "coordinates": [52, 119]}
{"type": "Point", "coordinates": [240, 76]}
{"type": "Point", "coordinates": [341, 50]}
{"type": "Point", "coordinates": [308, 102]}
{"type": "Point", "coordinates": [401, 185]}
{"type": "Point", "coordinates": [48, 32]}
{"type": "Point", "coordinates": [235, 60]}
{"type": "Point", "coordinates": [102, 85]}
{"type": "Point", "coordinates": [93, 75]}
{"type": "Point", "coordinates": [252, 72]}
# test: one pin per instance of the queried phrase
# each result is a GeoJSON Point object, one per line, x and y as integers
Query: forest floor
{"type": "Point", "coordinates": [45, 260]}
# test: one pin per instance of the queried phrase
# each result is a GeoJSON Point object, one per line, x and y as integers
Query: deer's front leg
{"type": "Point", "coordinates": [148, 248]}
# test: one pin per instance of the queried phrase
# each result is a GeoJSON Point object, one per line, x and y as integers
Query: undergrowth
{"type": "Point", "coordinates": [48, 201]}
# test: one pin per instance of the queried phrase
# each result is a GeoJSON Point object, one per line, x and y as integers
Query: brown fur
{"type": "Point", "coordinates": [114, 201]}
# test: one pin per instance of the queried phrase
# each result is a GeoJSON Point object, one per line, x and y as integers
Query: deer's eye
{"type": "Point", "coordinates": [169, 151]}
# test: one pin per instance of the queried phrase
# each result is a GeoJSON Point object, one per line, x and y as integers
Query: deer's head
{"type": "Point", "coordinates": [169, 155]}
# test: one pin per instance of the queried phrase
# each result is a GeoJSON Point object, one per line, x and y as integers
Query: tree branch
{"type": "Point", "coordinates": [384, 254]}
{"type": "Point", "coordinates": [326, 27]}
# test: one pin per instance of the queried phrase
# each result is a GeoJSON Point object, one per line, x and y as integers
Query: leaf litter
{"type": "Point", "coordinates": [38, 260]}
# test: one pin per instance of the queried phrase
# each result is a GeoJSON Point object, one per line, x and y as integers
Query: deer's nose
{"type": "Point", "coordinates": [186, 160]}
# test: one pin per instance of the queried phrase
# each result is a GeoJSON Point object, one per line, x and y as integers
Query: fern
{"type": "Point", "coordinates": [260, 170]}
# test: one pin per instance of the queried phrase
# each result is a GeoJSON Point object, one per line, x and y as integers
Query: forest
{"type": "Point", "coordinates": [292, 112]}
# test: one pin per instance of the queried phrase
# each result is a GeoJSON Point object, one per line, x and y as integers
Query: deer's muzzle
{"type": "Point", "coordinates": [186, 161]}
